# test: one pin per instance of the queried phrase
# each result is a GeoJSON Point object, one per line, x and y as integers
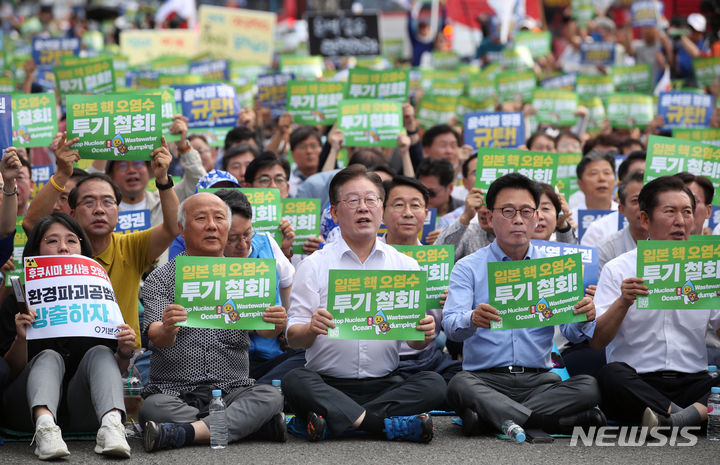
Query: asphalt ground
{"type": "Point", "coordinates": [449, 446]}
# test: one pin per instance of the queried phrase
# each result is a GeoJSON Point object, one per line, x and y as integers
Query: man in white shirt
{"type": "Point", "coordinates": [351, 383]}
{"type": "Point", "coordinates": [657, 360]}
{"type": "Point", "coordinates": [596, 179]}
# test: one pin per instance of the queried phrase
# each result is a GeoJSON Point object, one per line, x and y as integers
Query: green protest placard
{"type": "Point", "coordinates": [376, 304]}
{"type": "Point", "coordinates": [224, 292]}
{"type": "Point", "coordinates": [19, 242]}
{"type": "Point", "coordinates": [7, 84]}
{"type": "Point", "coordinates": [445, 59]}
{"type": "Point", "coordinates": [555, 106]}
{"type": "Point", "coordinates": [534, 293]}
{"type": "Point", "coordinates": [628, 111]}
{"type": "Point", "coordinates": [266, 207]}
{"type": "Point", "coordinates": [304, 216]}
{"type": "Point", "coordinates": [566, 181]}
{"type": "Point", "coordinates": [493, 163]}
{"type": "Point", "coordinates": [302, 67]}
{"type": "Point", "coordinates": [115, 126]}
{"type": "Point", "coordinates": [169, 109]}
{"type": "Point", "coordinates": [707, 70]}
{"type": "Point", "coordinates": [668, 156]}
{"type": "Point", "coordinates": [709, 136]}
{"type": "Point", "coordinates": [429, 75]}
{"type": "Point", "coordinates": [680, 275]}
{"type": "Point", "coordinates": [516, 58]}
{"type": "Point", "coordinates": [370, 123]}
{"type": "Point", "coordinates": [369, 84]}
{"type": "Point", "coordinates": [245, 94]}
{"type": "Point", "coordinates": [510, 85]}
{"type": "Point", "coordinates": [635, 78]}
{"type": "Point", "coordinates": [245, 70]}
{"type": "Point", "coordinates": [92, 77]}
{"type": "Point", "coordinates": [469, 105]}
{"type": "Point", "coordinates": [436, 110]}
{"type": "Point", "coordinates": [164, 80]}
{"type": "Point", "coordinates": [596, 113]}
{"type": "Point", "coordinates": [314, 102]}
{"type": "Point", "coordinates": [171, 64]}
{"type": "Point", "coordinates": [34, 119]}
{"type": "Point", "coordinates": [594, 86]}
{"type": "Point", "coordinates": [537, 42]}
{"type": "Point", "coordinates": [482, 85]}
{"type": "Point", "coordinates": [582, 11]}
{"type": "Point", "coordinates": [446, 88]}
{"type": "Point", "coordinates": [437, 261]}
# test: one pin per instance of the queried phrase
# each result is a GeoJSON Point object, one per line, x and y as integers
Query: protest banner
{"type": "Point", "coordinates": [115, 126]}
{"type": "Point", "coordinates": [707, 70]}
{"type": "Point", "coordinates": [428, 225]}
{"type": "Point", "coordinates": [497, 129]}
{"type": "Point", "coordinates": [596, 113]}
{"type": "Point", "coordinates": [376, 304]}
{"type": "Point", "coordinates": [560, 82]}
{"type": "Point", "coordinates": [370, 123]}
{"type": "Point", "coordinates": [446, 88]}
{"type": "Point", "coordinates": [6, 120]}
{"type": "Point", "coordinates": [169, 109]}
{"type": "Point", "coordinates": [594, 86]}
{"type": "Point", "coordinates": [225, 292]}
{"type": "Point", "coordinates": [7, 84]}
{"type": "Point", "coordinates": [481, 86]}
{"type": "Point", "coordinates": [34, 119]}
{"type": "Point", "coordinates": [537, 42]}
{"type": "Point", "coordinates": [209, 107]}
{"type": "Point", "coordinates": [645, 13]}
{"type": "Point", "coordinates": [336, 35]}
{"type": "Point", "coordinates": [535, 293]}
{"type": "Point", "coordinates": [466, 105]}
{"type": "Point", "coordinates": [314, 102]}
{"type": "Point", "coordinates": [512, 85]}
{"type": "Point", "coordinates": [142, 45]}
{"type": "Point", "coordinates": [95, 77]}
{"type": "Point", "coordinates": [709, 136]}
{"type": "Point", "coordinates": [133, 221]}
{"type": "Point", "coordinates": [365, 83]}
{"type": "Point", "coordinates": [586, 217]}
{"type": "Point", "coordinates": [231, 33]}
{"type": "Point", "coordinates": [173, 65]}
{"type": "Point", "coordinates": [167, 80]}
{"type": "Point", "coordinates": [635, 78]}
{"type": "Point", "coordinates": [555, 106]}
{"type": "Point", "coordinates": [493, 163]}
{"type": "Point", "coordinates": [590, 258]}
{"type": "Point", "coordinates": [566, 176]}
{"type": "Point", "coordinates": [302, 67]}
{"type": "Point", "coordinates": [272, 91]}
{"type": "Point", "coordinates": [304, 216]}
{"type": "Point", "coordinates": [72, 297]}
{"type": "Point", "coordinates": [680, 275]}
{"type": "Point", "coordinates": [685, 109]}
{"type": "Point", "coordinates": [629, 111]}
{"type": "Point", "coordinates": [210, 70]}
{"type": "Point", "coordinates": [437, 261]}
{"type": "Point", "coordinates": [668, 156]}
{"type": "Point", "coordinates": [582, 11]}
{"type": "Point", "coordinates": [436, 110]}
{"type": "Point", "coordinates": [40, 175]}
{"type": "Point", "coordinates": [445, 59]}
{"type": "Point", "coordinates": [19, 242]}
{"type": "Point", "coordinates": [592, 53]}
{"type": "Point", "coordinates": [714, 219]}
{"type": "Point", "coordinates": [516, 58]}
{"type": "Point", "coordinates": [49, 51]}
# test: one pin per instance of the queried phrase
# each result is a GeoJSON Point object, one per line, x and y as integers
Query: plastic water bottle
{"type": "Point", "coordinates": [218, 421]}
{"type": "Point", "coordinates": [276, 384]}
{"type": "Point", "coordinates": [713, 371]}
{"type": "Point", "coordinates": [713, 409]}
{"type": "Point", "coordinates": [513, 431]}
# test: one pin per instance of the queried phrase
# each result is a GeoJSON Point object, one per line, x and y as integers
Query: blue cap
{"type": "Point", "coordinates": [216, 177]}
{"type": "Point", "coordinates": [275, 382]}
{"type": "Point", "coordinates": [217, 393]}
{"type": "Point", "coordinates": [715, 390]}
{"type": "Point", "coordinates": [520, 437]}
{"type": "Point", "coordinates": [712, 367]}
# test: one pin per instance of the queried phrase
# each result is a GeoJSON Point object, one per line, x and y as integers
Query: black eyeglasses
{"type": "Point", "coordinates": [510, 212]}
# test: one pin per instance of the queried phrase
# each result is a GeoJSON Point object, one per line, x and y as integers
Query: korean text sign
{"type": "Point", "coordinates": [680, 274]}
{"type": "Point", "coordinates": [72, 296]}
{"type": "Point", "coordinates": [232, 32]}
{"type": "Point", "coordinates": [95, 76]}
{"type": "Point", "coordinates": [224, 292]}
{"type": "Point", "coordinates": [589, 255]}
{"type": "Point", "coordinates": [534, 293]}
{"type": "Point", "coordinates": [370, 123]}
{"type": "Point", "coordinates": [304, 217]}
{"type": "Point", "coordinates": [34, 119]}
{"type": "Point", "coordinates": [115, 126]}
{"type": "Point", "coordinates": [376, 304]}
{"type": "Point", "coordinates": [50, 51]}
{"type": "Point", "coordinates": [493, 163]}
{"type": "Point", "coordinates": [437, 261]}
{"type": "Point", "coordinates": [208, 105]}
{"type": "Point", "coordinates": [685, 109]}
{"type": "Point", "coordinates": [494, 129]}
{"type": "Point", "coordinates": [314, 102]}
{"type": "Point", "coordinates": [366, 83]}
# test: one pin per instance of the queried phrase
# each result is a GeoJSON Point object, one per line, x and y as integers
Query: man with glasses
{"type": "Point", "coordinates": [437, 175]}
{"type": "Point", "coordinates": [269, 172]}
{"type": "Point", "coordinates": [351, 384]}
{"type": "Point", "coordinates": [94, 204]}
{"type": "Point", "coordinates": [507, 372]}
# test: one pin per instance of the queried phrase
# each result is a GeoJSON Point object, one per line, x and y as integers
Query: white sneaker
{"type": "Point", "coordinates": [111, 440]}
{"type": "Point", "coordinates": [49, 443]}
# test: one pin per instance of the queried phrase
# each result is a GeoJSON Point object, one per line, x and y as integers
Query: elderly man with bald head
{"type": "Point", "coordinates": [187, 363]}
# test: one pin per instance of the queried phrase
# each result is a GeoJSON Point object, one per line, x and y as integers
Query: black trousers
{"type": "Point", "coordinates": [341, 401]}
{"type": "Point", "coordinates": [626, 393]}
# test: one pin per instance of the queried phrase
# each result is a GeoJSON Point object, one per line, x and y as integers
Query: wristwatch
{"type": "Point", "coordinates": [162, 187]}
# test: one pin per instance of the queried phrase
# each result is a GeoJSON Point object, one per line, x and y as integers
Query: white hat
{"type": "Point", "coordinates": [697, 22]}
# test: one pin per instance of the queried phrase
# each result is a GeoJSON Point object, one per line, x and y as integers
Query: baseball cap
{"type": "Point", "coordinates": [697, 22]}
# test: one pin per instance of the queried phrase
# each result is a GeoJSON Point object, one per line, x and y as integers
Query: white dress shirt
{"type": "Point", "coordinates": [653, 340]}
{"type": "Point", "coordinates": [337, 357]}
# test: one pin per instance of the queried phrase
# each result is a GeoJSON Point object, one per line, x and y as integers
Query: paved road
{"type": "Point", "coordinates": [448, 447]}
